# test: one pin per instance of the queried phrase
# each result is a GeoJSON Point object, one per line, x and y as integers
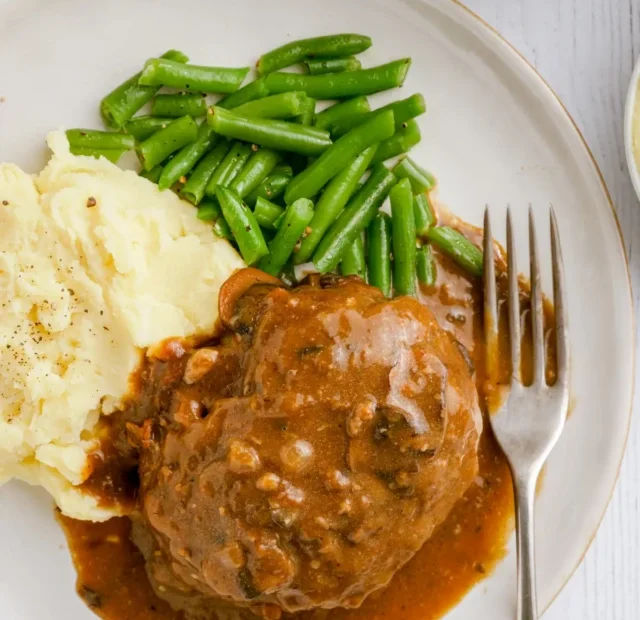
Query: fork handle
{"type": "Point", "coordinates": [525, 492]}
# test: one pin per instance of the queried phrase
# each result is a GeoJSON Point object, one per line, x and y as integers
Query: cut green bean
{"type": "Point", "coordinates": [423, 212]}
{"type": "Point", "coordinates": [296, 218]}
{"type": "Point", "coordinates": [353, 262]}
{"type": "Point", "coordinates": [284, 105]}
{"type": "Point", "coordinates": [320, 66]}
{"type": "Point", "coordinates": [113, 155]}
{"type": "Point", "coordinates": [143, 127]}
{"type": "Point", "coordinates": [197, 183]}
{"type": "Point", "coordinates": [93, 139]}
{"type": "Point", "coordinates": [155, 149]}
{"type": "Point", "coordinates": [152, 175]}
{"type": "Point", "coordinates": [210, 211]}
{"type": "Point", "coordinates": [187, 157]}
{"type": "Point", "coordinates": [307, 112]}
{"type": "Point", "coordinates": [281, 135]}
{"type": "Point", "coordinates": [125, 100]}
{"type": "Point", "coordinates": [162, 72]}
{"type": "Point", "coordinates": [331, 116]}
{"type": "Point", "coordinates": [332, 201]}
{"type": "Point", "coordinates": [267, 213]}
{"type": "Point", "coordinates": [250, 92]}
{"type": "Point", "coordinates": [273, 186]}
{"type": "Point", "coordinates": [330, 46]}
{"type": "Point", "coordinates": [283, 169]}
{"type": "Point", "coordinates": [357, 215]}
{"type": "Point", "coordinates": [230, 167]}
{"type": "Point", "coordinates": [403, 239]}
{"type": "Point", "coordinates": [421, 180]}
{"type": "Point", "coordinates": [402, 141]}
{"type": "Point", "coordinates": [379, 253]}
{"type": "Point", "coordinates": [426, 266]}
{"type": "Point", "coordinates": [178, 105]}
{"type": "Point", "coordinates": [342, 85]}
{"type": "Point", "coordinates": [256, 170]}
{"type": "Point", "coordinates": [458, 247]}
{"type": "Point", "coordinates": [338, 155]}
{"type": "Point", "coordinates": [243, 225]}
{"type": "Point", "coordinates": [403, 111]}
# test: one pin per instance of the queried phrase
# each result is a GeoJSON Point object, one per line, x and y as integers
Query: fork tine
{"type": "Point", "coordinates": [537, 313]}
{"type": "Point", "coordinates": [559, 302]}
{"type": "Point", "coordinates": [490, 303]}
{"type": "Point", "coordinates": [514, 301]}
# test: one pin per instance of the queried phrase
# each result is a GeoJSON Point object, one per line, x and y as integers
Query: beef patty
{"type": "Point", "coordinates": [308, 455]}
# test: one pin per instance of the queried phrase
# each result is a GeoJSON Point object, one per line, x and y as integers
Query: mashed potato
{"type": "Point", "coordinates": [95, 265]}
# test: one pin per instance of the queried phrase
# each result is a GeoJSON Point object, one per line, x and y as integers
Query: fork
{"type": "Point", "coordinates": [530, 420]}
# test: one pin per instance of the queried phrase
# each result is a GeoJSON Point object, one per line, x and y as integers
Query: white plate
{"type": "Point", "coordinates": [494, 134]}
{"type": "Point", "coordinates": [632, 96]}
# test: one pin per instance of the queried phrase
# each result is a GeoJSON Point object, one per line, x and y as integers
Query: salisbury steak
{"type": "Point", "coordinates": [300, 462]}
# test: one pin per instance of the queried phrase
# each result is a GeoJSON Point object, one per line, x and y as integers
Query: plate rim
{"type": "Point", "coordinates": [528, 66]}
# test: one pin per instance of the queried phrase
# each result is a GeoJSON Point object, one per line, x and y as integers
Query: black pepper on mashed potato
{"type": "Point", "coordinates": [95, 264]}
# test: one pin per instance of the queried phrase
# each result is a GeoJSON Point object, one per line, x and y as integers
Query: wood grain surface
{"type": "Point", "coordinates": [586, 49]}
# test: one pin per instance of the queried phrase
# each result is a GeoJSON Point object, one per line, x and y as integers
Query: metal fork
{"type": "Point", "coordinates": [529, 422]}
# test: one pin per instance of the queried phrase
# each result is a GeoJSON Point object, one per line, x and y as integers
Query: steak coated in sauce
{"type": "Point", "coordinates": [304, 459]}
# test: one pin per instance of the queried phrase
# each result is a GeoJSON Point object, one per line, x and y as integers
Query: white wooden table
{"type": "Point", "coordinates": [585, 49]}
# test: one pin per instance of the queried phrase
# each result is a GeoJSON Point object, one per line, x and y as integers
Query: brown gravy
{"type": "Point", "coordinates": [462, 551]}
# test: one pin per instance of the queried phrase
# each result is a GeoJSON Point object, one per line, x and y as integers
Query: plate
{"type": "Point", "coordinates": [494, 134]}
{"type": "Point", "coordinates": [632, 96]}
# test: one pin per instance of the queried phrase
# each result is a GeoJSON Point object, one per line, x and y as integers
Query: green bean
{"type": "Point", "coordinates": [177, 105]}
{"type": "Point", "coordinates": [401, 141]}
{"type": "Point", "coordinates": [379, 253]}
{"type": "Point", "coordinates": [342, 85]}
{"type": "Point", "coordinates": [357, 215]}
{"type": "Point", "coordinates": [331, 116]}
{"type": "Point", "coordinates": [187, 157]}
{"type": "Point", "coordinates": [272, 187]}
{"type": "Point", "coordinates": [403, 239]}
{"type": "Point", "coordinates": [113, 155]}
{"type": "Point", "coordinates": [403, 111]}
{"type": "Point", "coordinates": [161, 72]}
{"type": "Point", "coordinates": [267, 213]}
{"type": "Point", "coordinates": [421, 180]}
{"type": "Point", "coordinates": [307, 112]}
{"type": "Point", "coordinates": [338, 155]}
{"type": "Point", "coordinates": [426, 266]}
{"type": "Point", "coordinates": [284, 105]}
{"type": "Point", "coordinates": [125, 100]}
{"type": "Point", "coordinates": [281, 135]}
{"type": "Point", "coordinates": [92, 139]}
{"type": "Point", "coordinates": [296, 218]}
{"type": "Point", "coordinates": [458, 247]}
{"type": "Point", "coordinates": [250, 92]}
{"type": "Point", "coordinates": [195, 187]}
{"type": "Point", "coordinates": [210, 211]}
{"type": "Point", "coordinates": [230, 167]}
{"type": "Point", "coordinates": [152, 175]}
{"type": "Point", "coordinates": [283, 169]}
{"type": "Point", "coordinates": [319, 66]}
{"type": "Point", "coordinates": [142, 127]}
{"type": "Point", "coordinates": [423, 212]}
{"type": "Point", "coordinates": [332, 201]}
{"type": "Point", "coordinates": [256, 170]}
{"type": "Point", "coordinates": [161, 144]}
{"type": "Point", "coordinates": [243, 225]}
{"type": "Point", "coordinates": [353, 263]}
{"type": "Point", "coordinates": [331, 46]}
